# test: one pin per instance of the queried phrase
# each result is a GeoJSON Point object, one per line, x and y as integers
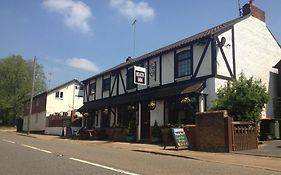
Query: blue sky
{"type": "Point", "coordinates": [79, 38]}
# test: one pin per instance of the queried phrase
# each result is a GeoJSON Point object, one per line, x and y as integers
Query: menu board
{"type": "Point", "coordinates": [179, 137]}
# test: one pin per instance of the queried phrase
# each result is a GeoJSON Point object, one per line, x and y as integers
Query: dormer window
{"type": "Point", "coordinates": [183, 64]}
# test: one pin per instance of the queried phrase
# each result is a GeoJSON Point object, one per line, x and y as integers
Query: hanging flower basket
{"type": "Point", "coordinates": [132, 108]}
{"type": "Point", "coordinates": [152, 105]}
{"type": "Point", "coordinates": [105, 111]}
{"type": "Point", "coordinates": [185, 100]}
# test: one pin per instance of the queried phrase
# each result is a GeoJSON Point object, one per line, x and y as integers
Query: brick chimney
{"type": "Point", "coordinates": [253, 10]}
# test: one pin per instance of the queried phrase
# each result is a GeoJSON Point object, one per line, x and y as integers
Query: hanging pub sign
{"type": "Point", "coordinates": [139, 75]}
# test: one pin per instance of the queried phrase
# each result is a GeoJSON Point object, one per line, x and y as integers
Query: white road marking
{"type": "Point", "coordinates": [5, 140]}
{"type": "Point", "coordinates": [38, 149]}
{"type": "Point", "coordinates": [102, 166]}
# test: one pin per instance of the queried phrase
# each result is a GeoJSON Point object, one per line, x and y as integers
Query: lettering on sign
{"type": "Point", "coordinates": [139, 75]}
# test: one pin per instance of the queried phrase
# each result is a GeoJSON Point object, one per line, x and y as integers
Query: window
{"type": "Point", "coordinates": [92, 88]}
{"type": "Point", "coordinates": [130, 79]}
{"type": "Point", "coordinates": [57, 94]}
{"type": "Point", "coordinates": [61, 94]}
{"type": "Point", "coordinates": [183, 64]}
{"type": "Point", "coordinates": [106, 84]}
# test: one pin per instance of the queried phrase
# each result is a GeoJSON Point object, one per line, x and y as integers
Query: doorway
{"type": "Point", "coordinates": [145, 122]}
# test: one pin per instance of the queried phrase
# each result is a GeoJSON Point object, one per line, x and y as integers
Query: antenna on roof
{"type": "Point", "coordinates": [134, 40]}
{"type": "Point", "coordinates": [239, 8]}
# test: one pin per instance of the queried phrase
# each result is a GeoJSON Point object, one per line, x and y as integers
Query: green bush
{"type": "Point", "coordinates": [244, 99]}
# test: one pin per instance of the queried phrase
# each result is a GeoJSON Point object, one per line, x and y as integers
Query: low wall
{"type": "Point", "coordinates": [213, 131]}
{"type": "Point", "coordinates": [190, 132]}
{"type": "Point", "coordinates": [58, 130]}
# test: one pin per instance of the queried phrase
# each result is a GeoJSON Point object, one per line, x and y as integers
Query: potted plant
{"type": "Point", "coordinates": [155, 133]}
{"type": "Point", "coordinates": [132, 132]}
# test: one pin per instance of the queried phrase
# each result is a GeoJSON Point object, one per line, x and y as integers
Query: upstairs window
{"type": "Point", "coordinates": [59, 94]}
{"type": "Point", "coordinates": [183, 64]}
{"type": "Point", "coordinates": [130, 79]}
{"type": "Point", "coordinates": [92, 88]}
{"type": "Point", "coordinates": [106, 84]}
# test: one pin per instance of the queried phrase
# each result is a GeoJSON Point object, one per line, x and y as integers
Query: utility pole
{"type": "Point", "coordinates": [31, 98]}
{"type": "Point", "coordinates": [134, 40]}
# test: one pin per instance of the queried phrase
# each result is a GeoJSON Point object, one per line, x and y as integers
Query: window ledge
{"type": "Point", "coordinates": [183, 78]}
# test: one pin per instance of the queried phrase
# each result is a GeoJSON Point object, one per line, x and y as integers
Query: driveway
{"type": "Point", "coordinates": [268, 148]}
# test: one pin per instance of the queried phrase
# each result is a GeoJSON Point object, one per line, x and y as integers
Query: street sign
{"type": "Point", "coordinates": [139, 75]}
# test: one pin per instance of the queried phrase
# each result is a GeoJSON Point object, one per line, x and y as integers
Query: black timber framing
{"type": "Point", "coordinates": [224, 57]}
{"type": "Point", "coordinates": [175, 53]}
{"type": "Point", "coordinates": [102, 86]}
{"type": "Point", "coordinates": [123, 84]}
{"type": "Point", "coordinates": [148, 73]}
{"type": "Point", "coordinates": [95, 97]}
{"type": "Point", "coordinates": [160, 69]}
{"type": "Point", "coordinates": [233, 53]}
{"type": "Point", "coordinates": [214, 57]}
{"type": "Point", "coordinates": [155, 71]}
{"type": "Point", "coordinates": [117, 86]}
{"type": "Point", "coordinates": [112, 88]}
{"type": "Point", "coordinates": [224, 77]}
{"type": "Point", "coordinates": [201, 59]}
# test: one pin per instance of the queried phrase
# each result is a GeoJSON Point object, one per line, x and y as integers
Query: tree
{"type": "Point", "coordinates": [15, 85]}
{"type": "Point", "coordinates": [244, 99]}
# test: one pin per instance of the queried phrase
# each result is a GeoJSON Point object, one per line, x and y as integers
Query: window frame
{"type": "Point", "coordinates": [177, 63]}
{"type": "Point", "coordinates": [92, 86]}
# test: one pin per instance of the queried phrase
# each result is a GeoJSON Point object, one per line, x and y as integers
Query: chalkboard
{"type": "Point", "coordinates": [179, 137]}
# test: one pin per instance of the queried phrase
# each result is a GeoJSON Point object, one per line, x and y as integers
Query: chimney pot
{"type": "Point", "coordinates": [252, 2]}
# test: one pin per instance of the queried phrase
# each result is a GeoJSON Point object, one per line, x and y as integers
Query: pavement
{"type": "Point", "coordinates": [259, 158]}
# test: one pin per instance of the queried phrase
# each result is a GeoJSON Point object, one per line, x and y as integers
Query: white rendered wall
{"type": "Point", "coordinates": [227, 49]}
{"type": "Point", "coordinates": [37, 122]}
{"type": "Point", "coordinates": [206, 65]}
{"type": "Point", "coordinates": [98, 88]}
{"type": "Point", "coordinates": [157, 114]}
{"type": "Point", "coordinates": [168, 68]}
{"type": "Point", "coordinates": [69, 101]}
{"type": "Point", "coordinates": [256, 53]}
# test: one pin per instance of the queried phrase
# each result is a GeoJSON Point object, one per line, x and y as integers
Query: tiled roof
{"type": "Point", "coordinates": [178, 44]}
{"type": "Point", "coordinates": [67, 83]}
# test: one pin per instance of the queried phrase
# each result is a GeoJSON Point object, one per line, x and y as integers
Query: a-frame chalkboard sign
{"type": "Point", "coordinates": [179, 138]}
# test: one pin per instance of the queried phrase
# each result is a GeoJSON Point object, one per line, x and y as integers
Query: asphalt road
{"type": "Point", "coordinates": [21, 155]}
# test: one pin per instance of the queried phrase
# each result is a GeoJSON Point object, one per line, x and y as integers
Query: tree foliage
{"type": "Point", "coordinates": [244, 99]}
{"type": "Point", "coordinates": [15, 85]}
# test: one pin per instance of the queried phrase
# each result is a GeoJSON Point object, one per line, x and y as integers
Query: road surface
{"type": "Point", "coordinates": [21, 155]}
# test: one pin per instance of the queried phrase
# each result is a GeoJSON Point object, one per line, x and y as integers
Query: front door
{"type": "Point", "coordinates": [145, 122]}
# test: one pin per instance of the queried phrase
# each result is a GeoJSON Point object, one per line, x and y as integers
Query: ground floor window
{"type": "Point", "coordinates": [180, 112]}
{"type": "Point", "coordinates": [127, 116]}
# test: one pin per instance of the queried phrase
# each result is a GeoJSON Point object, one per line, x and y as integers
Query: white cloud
{"type": "Point", "coordinates": [76, 13]}
{"type": "Point", "coordinates": [133, 10]}
{"type": "Point", "coordinates": [82, 63]}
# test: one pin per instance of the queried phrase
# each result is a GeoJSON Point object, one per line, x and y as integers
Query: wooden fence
{"type": "Point", "coordinates": [244, 136]}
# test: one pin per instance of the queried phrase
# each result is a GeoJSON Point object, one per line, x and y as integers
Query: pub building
{"type": "Point", "coordinates": [181, 78]}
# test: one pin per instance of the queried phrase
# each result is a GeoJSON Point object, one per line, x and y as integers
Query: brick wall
{"type": "Point", "coordinates": [213, 131]}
